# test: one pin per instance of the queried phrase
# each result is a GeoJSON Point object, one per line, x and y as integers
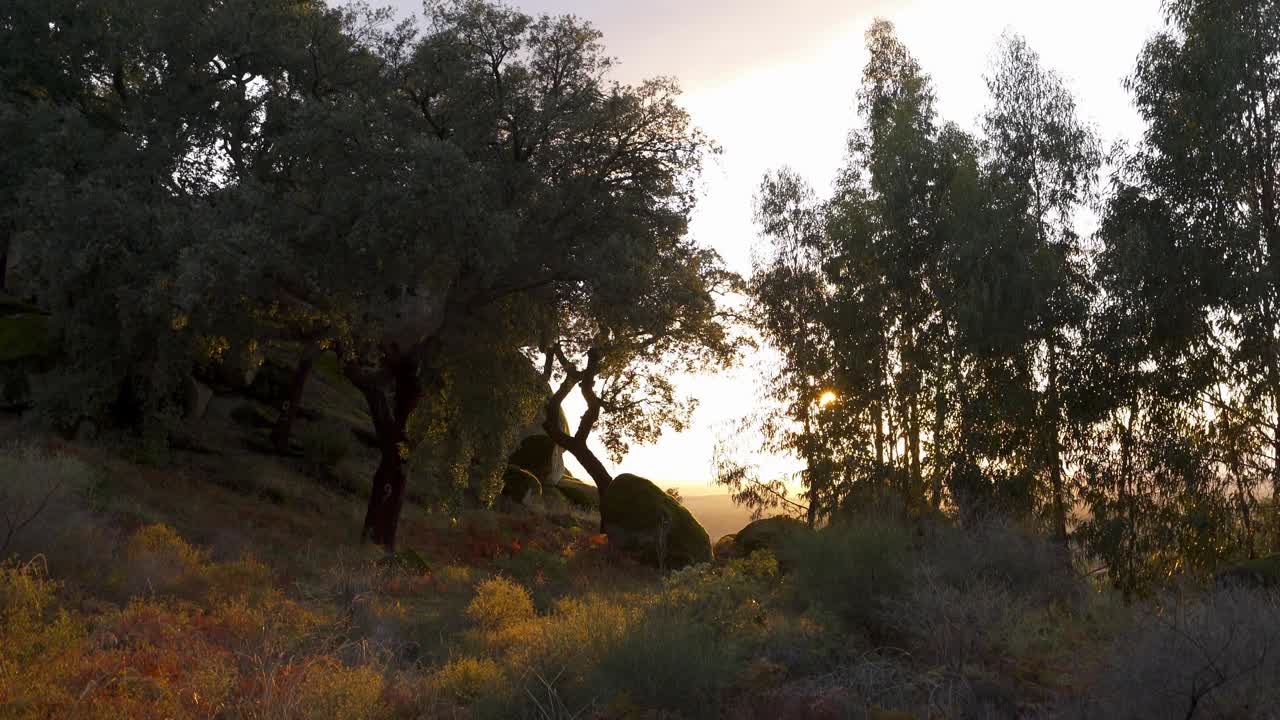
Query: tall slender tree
{"type": "Point", "coordinates": [1046, 162]}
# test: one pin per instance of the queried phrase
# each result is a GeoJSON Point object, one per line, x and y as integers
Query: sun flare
{"type": "Point", "coordinates": [828, 398]}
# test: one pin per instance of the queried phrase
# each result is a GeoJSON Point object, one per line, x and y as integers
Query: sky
{"type": "Point", "coordinates": [774, 83]}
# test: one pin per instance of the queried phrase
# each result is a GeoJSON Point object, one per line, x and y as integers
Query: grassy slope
{"type": "Point", "coordinates": [262, 604]}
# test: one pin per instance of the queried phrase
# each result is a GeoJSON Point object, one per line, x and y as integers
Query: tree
{"type": "Point", "coordinates": [1209, 90]}
{"type": "Point", "coordinates": [1046, 161]}
{"type": "Point", "coordinates": [496, 172]}
{"type": "Point", "coordinates": [853, 295]}
{"type": "Point", "coordinates": [653, 315]}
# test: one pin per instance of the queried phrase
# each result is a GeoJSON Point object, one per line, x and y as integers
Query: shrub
{"type": "Point", "coordinates": [996, 552]}
{"type": "Point", "coordinates": [332, 691]}
{"type": "Point", "coordinates": [1215, 656]}
{"type": "Point", "coordinates": [37, 492]}
{"type": "Point", "coordinates": [468, 679]}
{"type": "Point", "coordinates": [500, 602]}
{"type": "Point", "coordinates": [156, 557]}
{"type": "Point", "coordinates": [856, 569]}
{"type": "Point", "coordinates": [36, 641]}
{"type": "Point", "coordinates": [671, 660]}
{"type": "Point", "coordinates": [730, 600]}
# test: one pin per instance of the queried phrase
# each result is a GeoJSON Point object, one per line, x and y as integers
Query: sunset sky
{"type": "Point", "coordinates": [774, 84]}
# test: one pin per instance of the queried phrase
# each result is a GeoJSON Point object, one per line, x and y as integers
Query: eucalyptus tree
{"type": "Point", "coordinates": [1209, 89]}
{"type": "Point", "coordinates": [855, 294]}
{"type": "Point", "coordinates": [1045, 161]}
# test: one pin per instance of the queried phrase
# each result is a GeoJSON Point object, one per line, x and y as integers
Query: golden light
{"type": "Point", "coordinates": [828, 398]}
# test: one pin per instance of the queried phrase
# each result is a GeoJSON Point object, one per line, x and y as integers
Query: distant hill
{"type": "Point", "coordinates": [718, 514]}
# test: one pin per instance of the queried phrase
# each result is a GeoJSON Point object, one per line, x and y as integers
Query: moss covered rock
{"type": "Point", "coordinates": [643, 520]}
{"type": "Point", "coordinates": [520, 485]}
{"type": "Point", "coordinates": [539, 454]}
{"type": "Point", "coordinates": [579, 493]}
{"type": "Point", "coordinates": [769, 534]}
{"type": "Point", "coordinates": [1260, 573]}
{"type": "Point", "coordinates": [726, 548]}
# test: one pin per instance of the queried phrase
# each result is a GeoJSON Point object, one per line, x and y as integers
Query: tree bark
{"type": "Point", "coordinates": [1055, 450]}
{"type": "Point", "coordinates": [390, 412]}
{"type": "Point", "coordinates": [283, 431]}
{"type": "Point", "coordinates": [576, 444]}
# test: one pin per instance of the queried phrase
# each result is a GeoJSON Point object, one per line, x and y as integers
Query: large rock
{"type": "Point", "coordinates": [642, 519]}
{"type": "Point", "coordinates": [768, 534]}
{"type": "Point", "coordinates": [196, 399]}
{"type": "Point", "coordinates": [576, 492]}
{"type": "Point", "coordinates": [520, 485]}
{"type": "Point", "coordinates": [239, 368]}
{"type": "Point", "coordinates": [538, 453]}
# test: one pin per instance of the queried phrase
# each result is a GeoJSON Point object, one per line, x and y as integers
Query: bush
{"type": "Point", "coordinates": [731, 599]}
{"type": "Point", "coordinates": [468, 679]}
{"type": "Point", "coordinates": [38, 491]}
{"type": "Point", "coordinates": [1216, 656]}
{"type": "Point", "coordinates": [498, 603]}
{"type": "Point", "coordinates": [332, 691]}
{"type": "Point", "coordinates": [998, 553]}
{"type": "Point", "coordinates": [670, 660]}
{"type": "Point", "coordinates": [156, 558]}
{"type": "Point", "coordinates": [857, 569]}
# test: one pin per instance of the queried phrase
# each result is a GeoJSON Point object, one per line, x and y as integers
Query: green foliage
{"type": "Point", "coordinates": [641, 518]}
{"type": "Point", "coordinates": [669, 660]}
{"type": "Point", "coordinates": [858, 569]}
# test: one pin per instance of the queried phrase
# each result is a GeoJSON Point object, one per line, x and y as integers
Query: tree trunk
{"type": "Point", "coordinates": [283, 430]}
{"type": "Point", "coordinates": [386, 501]}
{"type": "Point", "coordinates": [935, 459]}
{"type": "Point", "coordinates": [1055, 450]}
{"type": "Point", "coordinates": [390, 422]}
{"type": "Point", "coordinates": [592, 464]}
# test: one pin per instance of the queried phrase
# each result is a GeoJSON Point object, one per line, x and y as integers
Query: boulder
{"type": "Point", "coordinates": [643, 520]}
{"type": "Point", "coordinates": [578, 493]}
{"type": "Point", "coordinates": [768, 534]}
{"type": "Point", "coordinates": [726, 548]}
{"type": "Point", "coordinates": [1260, 573]}
{"type": "Point", "coordinates": [239, 369]}
{"type": "Point", "coordinates": [196, 399]}
{"type": "Point", "coordinates": [520, 485]}
{"type": "Point", "coordinates": [539, 454]}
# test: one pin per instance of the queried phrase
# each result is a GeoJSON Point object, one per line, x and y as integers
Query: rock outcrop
{"type": "Point", "coordinates": [643, 520]}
